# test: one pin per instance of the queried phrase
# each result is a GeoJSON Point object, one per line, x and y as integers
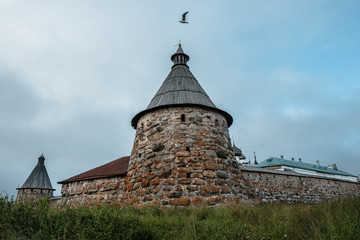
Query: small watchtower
{"type": "Point", "coordinates": [37, 185]}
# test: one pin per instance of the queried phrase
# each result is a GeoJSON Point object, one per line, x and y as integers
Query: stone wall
{"type": "Point", "coordinates": [93, 192]}
{"type": "Point", "coordinates": [289, 188]}
{"type": "Point", "coordinates": [28, 194]}
{"type": "Point", "coordinates": [182, 156]}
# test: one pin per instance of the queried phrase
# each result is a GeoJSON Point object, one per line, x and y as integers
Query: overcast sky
{"type": "Point", "coordinates": [74, 73]}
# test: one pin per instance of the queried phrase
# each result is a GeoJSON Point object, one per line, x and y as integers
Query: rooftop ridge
{"type": "Point", "coordinates": [307, 166]}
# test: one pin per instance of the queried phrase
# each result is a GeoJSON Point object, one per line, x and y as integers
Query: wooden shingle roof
{"type": "Point", "coordinates": [180, 88]}
{"type": "Point", "coordinates": [38, 178]}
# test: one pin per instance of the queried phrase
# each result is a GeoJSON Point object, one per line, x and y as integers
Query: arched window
{"type": "Point", "coordinates": [182, 117]}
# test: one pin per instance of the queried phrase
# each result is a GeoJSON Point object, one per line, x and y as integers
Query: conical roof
{"type": "Point", "coordinates": [38, 178]}
{"type": "Point", "coordinates": [237, 152]}
{"type": "Point", "coordinates": [180, 88]}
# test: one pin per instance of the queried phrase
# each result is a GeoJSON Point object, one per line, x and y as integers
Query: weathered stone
{"type": "Point", "coordinates": [222, 174]}
{"type": "Point", "coordinates": [183, 202]}
{"type": "Point", "coordinates": [221, 154]}
{"type": "Point", "coordinates": [214, 189]}
{"type": "Point", "coordinates": [204, 190]}
{"type": "Point", "coordinates": [197, 181]}
{"type": "Point", "coordinates": [159, 129]}
{"type": "Point", "coordinates": [183, 154]}
{"type": "Point", "coordinates": [145, 183]}
{"type": "Point", "coordinates": [225, 189]}
{"type": "Point", "coordinates": [158, 147]}
{"type": "Point", "coordinates": [209, 166]}
{"type": "Point", "coordinates": [175, 194]}
{"type": "Point", "coordinates": [213, 200]}
{"type": "Point", "coordinates": [209, 174]}
{"type": "Point", "coordinates": [155, 182]}
{"type": "Point", "coordinates": [184, 181]}
{"type": "Point", "coordinates": [198, 201]}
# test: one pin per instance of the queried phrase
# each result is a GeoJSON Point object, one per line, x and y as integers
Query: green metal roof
{"type": "Point", "coordinates": [273, 161]}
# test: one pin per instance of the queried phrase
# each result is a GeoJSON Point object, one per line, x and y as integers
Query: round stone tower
{"type": "Point", "coordinates": [37, 185]}
{"type": "Point", "coordinates": [182, 153]}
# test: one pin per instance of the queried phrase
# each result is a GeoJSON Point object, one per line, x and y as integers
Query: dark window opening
{"type": "Point", "coordinates": [188, 175]}
{"type": "Point", "coordinates": [139, 155]}
{"type": "Point", "coordinates": [188, 149]}
{"type": "Point", "coordinates": [142, 125]}
{"type": "Point", "coordinates": [182, 117]}
{"type": "Point", "coordinates": [216, 122]}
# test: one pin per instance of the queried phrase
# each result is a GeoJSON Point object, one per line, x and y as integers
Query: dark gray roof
{"type": "Point", "coordinates": [180, 88]}
{"type": "Point", "coordinates": [38, 178]}
{"type": "Point", "coordinates": [237, 151]}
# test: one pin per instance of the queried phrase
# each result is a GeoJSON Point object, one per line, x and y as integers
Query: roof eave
{"type": "Point", "coordinates": [92, 177]}
{"type": "Point", "coordinates": [36, 188]}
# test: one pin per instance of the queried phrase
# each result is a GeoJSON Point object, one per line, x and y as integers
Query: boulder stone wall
{"type": "Point", "coordinates": [28, 194]}
{"type": "Point", "coordinates": [93, 192]}
{"type": "Point", "coordinates": [271, 187]}
{"type": "Point", "coordinates": [182, 156]}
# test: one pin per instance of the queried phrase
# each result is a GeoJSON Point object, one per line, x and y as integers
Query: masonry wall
{"type": "Point", "coordinates": [93, 192]}
{"type": "Point", "coordinates": [33, 194]}
{"type": "Point", "coordinates": [269, 187]}
{"type": "Point", "coordinates": [183, 162]}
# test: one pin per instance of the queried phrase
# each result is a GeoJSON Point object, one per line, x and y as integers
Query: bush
{"type": "Point", "coordinates": [332, 220]}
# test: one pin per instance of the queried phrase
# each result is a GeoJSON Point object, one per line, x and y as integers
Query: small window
{"type": "Point", "coordinates": [182, 117]}
{"type": "Point", "coordinates": [139, 155]}
{"type": "Point", "coordinates": [216, 122]}
{"type": "Point", "coordinates": [142, 125]}
{"type": "Point", "coordinates": [188, 149]}
{"type": "Point", "coordinates": [188, 175]}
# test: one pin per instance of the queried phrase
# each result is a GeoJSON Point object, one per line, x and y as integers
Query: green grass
{"type": "Point", "coordinates": [332, 220]}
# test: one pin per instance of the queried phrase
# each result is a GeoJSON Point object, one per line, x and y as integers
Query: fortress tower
{"type": "Point", "coordinates": [37, 185]}
{"type": "Point", "coordinates": [182, 152]}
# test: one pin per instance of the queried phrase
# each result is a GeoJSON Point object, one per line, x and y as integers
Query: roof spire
{"type": "Point", "coordinates": [180, 58]}
{"type": "Point", "coordinates": [255, 162]}
{"type": "Point", "coordinates": [41, 159]}
{"type": "Point", "coordinates": [38, 178]}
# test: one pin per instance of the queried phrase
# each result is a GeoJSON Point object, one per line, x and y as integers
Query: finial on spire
{"type": "Point", "coordinates": [41, 158]}
{"type": "Point", "coordinates": [255, 162]}
{"type": "Point", "coordinates": [180, 58]}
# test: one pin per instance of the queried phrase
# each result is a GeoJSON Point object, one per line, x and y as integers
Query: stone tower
{"type": "Point", "coordinates": [37, 185]}
{"type": "Point", "coordinates": [182, 153]}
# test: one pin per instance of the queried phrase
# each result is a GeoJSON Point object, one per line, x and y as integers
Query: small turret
{"type": "Point", "coordinates": [37, 185]}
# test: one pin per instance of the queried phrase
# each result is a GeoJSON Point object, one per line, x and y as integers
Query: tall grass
{"type": "Point", "coordinates": [332, 220]}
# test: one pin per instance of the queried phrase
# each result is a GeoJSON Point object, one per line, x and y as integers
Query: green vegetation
{"type": "Point", "coordinates": [332, 220]}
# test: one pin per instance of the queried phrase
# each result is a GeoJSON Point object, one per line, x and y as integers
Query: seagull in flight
{"type": "Point", "coordinates": [183, 20]}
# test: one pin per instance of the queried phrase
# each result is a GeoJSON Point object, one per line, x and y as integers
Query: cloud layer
{"type": "Point", "coordinates": [73, 74]}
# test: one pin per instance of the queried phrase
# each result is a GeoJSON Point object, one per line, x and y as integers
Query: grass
{"type": "Point", "coordinates": [332, 220]}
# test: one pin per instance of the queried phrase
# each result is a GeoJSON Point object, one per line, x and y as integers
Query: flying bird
{"type": "Point", "coordinates": [183, 20]}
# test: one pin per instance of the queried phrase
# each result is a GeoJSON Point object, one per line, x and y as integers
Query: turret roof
{"type": "Point", "coordinates": [180, 88]}
{"type": "Point", "coordinates": [237, 152]}
{"type": "Point", "coordinates": [38, 178]}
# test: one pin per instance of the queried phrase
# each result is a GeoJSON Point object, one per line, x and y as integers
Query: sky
{"type": "Point", "coordinates": [74, 73]}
